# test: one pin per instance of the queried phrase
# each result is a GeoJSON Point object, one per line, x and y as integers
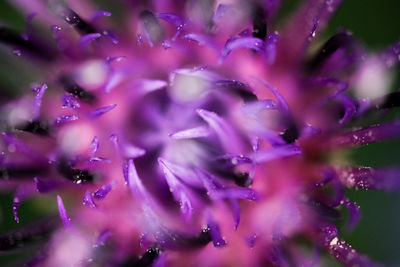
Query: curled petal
{"type": "Point", "coordinates": [102, 238]}
{"type": "Point", "coordinates": [349, 109]}
{"type": "Point", "coordinates": [201, 40]}
{"type": "Point", "coordinates": [281, 100]}
{"type": "Point", "coordinates": [86, 39]}
{"type": "Point", "coordinates": [355, 213]}
{"type": "Point", "coordinates": [100, 13]}
{"type": "Point", "coordinates": [253, 43]}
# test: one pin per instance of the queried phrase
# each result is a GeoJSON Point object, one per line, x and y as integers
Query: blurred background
{"type": "Point", "coordinates": [375, 23]}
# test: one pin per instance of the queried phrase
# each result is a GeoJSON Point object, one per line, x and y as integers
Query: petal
{"type": "Point", "coordinates": [226, 134]}
{"type": "Point", "coordinates": [88, 200]}
{"type": "Point", "coordinates": [367, 135]}
{"type": "Point", "coordinates": [277, 153]}
{"type": "Point", "coordinates": [37, 102]}
{"type": "Point", "coordinates": [253, 43]}
{"type": "Point", "coordinates": [86, 39]}
{"type": "Point", "coordinates": [63, 213]}
{"type": "Point", "coordinates": [215, 233]}
{"type": "Point", "coordinates": [69, 101]}
{"type": "Point", "coordinates": [369, 178]}
{"type": "Point", "coordinates": [101, 111]}
{"type": "Point", "coordinates": [102, 192]}
{"type": "Point", "coordinates": [100, 13]}
{"type": "Point", "coordinates": [196, 132]}
{"type": "Point", "coordinates": [66, 118]}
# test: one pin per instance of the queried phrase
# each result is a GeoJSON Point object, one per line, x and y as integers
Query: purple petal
{"type": "Point", "coordinates": [349, 108]}
{"type": "Point", "coordinates": [86, 39]}
{"type": "Point", "coordinates": [127, 150]}
{"type": "Point", "coordinates": [28, 26]}
{"type": "Point", "coordinates": [44, 187]}
{"type": "Point", "coordinates": [102, 238]}
{"type": "Point", "coordinates": [88, 200]}
{"type": "Point", "coordinates": [369, 178]}
{"type": "Point", "coordinates": [186, 174]}
{"type": "Point", "coordinates": [94, 146]}
{"type": "Point", "coordinates": [196, 132]}
{"type": "Point", "coordinates": [132, 178]}
{"type": "Point", "coordinates": [236, 193]}
{"type": "Point", "coordinates": [220, 12]}
{"type": "Point", "coordinates": [113, 81]}
{"type": "Point", "coordinates": [367, 135]}
{"type": "Point", "coordinates": [224, 131]}
{"type": "Point", "coordinates": [37, 102]}
{"type": "Point", "coordinates": [355, 213]}
{"type": "Point", "coordinates": [270, 47]}
{"type": "Point", "coordinates": [19, 146]}
{"type": "Point", "coordinates": [110, 35]}
{"type": "Point", "coordinates": [63, 213]}
{"type": "Point", "coordinates": [22, 193]}
{"type": "Point", "coordinates": [281, 100]}
{"type": "Point", "coordinates": [215, 233]}
{"type": "Point", "coordinates": [100, 13]}
{"type": "Point", "coordinates": [251, 240]}
{"type": "Point", "coordinates": [391, 56]}
{"type": "Point", "coordinates": [303, 25]}
{"type": "Point", "coordinates": [253, 43]}
{"type": "Point", "coordinates": [342, 251]}
{"type": "Point", "coordinates": [177, 189]}
{"type": "Point", "coordinates": [102, 192]}
{"type": "Point", "coordinates": [66, 118]}
{"type": "Point", "coordinates": [101, 111]}
{"type": "Point", "coordinates": [148, 86]}
{"type": "Point", "coordinates": [174, 19]}
{"type": "Point", "coordinates": [69, 101]}
{"type": "Point", "coordinates": [276, 153]}
{"type": "Point", "coordinates": [110, 60]}
{"type": "Point", "coordinates": [201, 40]}
{"type": "Point", "coordinates": [234, 205]}
{"type": "Point", "coordinates": [253, 108]}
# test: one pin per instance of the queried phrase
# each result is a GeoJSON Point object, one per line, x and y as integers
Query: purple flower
{"type": "Point", "coordinates": [192, 134]}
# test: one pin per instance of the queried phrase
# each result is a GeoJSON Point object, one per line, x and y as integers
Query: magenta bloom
{"type": "Point", "coordinates": [190, 133]}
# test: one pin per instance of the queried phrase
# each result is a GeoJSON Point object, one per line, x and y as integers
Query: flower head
{"type": "Point", "coordinates": [193, 134]}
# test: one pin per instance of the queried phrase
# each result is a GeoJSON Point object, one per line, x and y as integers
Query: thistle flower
{"type": "Point", "coordinates": [193, 135]}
